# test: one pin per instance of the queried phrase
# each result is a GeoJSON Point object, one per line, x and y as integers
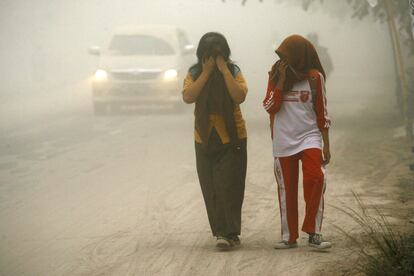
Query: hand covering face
{"type": "Point", "coordinates": [301, 57]}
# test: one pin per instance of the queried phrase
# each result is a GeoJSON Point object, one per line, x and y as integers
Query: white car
{"type": "Point", "coordinates": [142, 65]}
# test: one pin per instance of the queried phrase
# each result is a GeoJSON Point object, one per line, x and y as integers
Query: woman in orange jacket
{"type": "Point", "coordinates": [217, 87]}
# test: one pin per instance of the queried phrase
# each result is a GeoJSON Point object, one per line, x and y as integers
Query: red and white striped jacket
{"type": "Point", "coordinates": [275, 98]}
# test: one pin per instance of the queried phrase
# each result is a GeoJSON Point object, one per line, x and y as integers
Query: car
{"type": "Point", "coordinates": [141, 66]}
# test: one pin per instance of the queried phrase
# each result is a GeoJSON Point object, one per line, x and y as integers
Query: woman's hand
{"type": "Point", "coordinates": [326, 155]}
{"type": "Point", "coordinates": [281, 69]}
{"type": "Point", "coordinates": [236, 91]}
{"type": "Point", "coordinates": [208, 65]}
{"type": "Point", "coordinates": [221, 64]}
{"type": "Point", "coordinates": [191, 93]}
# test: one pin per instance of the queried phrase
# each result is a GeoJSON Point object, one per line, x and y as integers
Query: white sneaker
{"type": "Point", "coordinates": [285, 245]}
{"type": "Point", "coordinates": [235, 240]}
{"type": "Point", "coordinates": [223, 243]}
{"type": "Point", "coordinates": [316, 241]}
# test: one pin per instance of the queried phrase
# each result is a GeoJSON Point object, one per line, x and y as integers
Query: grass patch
{"type": "Point", "coordinates": [381, 249]}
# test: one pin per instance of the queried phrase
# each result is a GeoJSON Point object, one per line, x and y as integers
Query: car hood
{"type": "Point", "coordinates": [141, 63]}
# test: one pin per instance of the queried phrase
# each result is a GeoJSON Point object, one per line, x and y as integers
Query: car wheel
{"type": "Point", "coordinates": [99, 108]}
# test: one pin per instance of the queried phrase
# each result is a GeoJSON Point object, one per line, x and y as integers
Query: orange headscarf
{"type": "Point", "coordinates": [301, 56]}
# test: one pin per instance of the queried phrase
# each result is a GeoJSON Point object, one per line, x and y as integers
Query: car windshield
{"type": "Point", "coordinates": [128, 45]}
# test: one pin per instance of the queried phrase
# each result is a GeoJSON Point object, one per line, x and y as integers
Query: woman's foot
{"type": "Point", "coordinates": [316, 241]}
{"type": "Point", "coordinates": [286, 245]}
{"type": "Point", "coordinates": [235, 239]}
{"type": "Point", "coordinates": [224, 243]}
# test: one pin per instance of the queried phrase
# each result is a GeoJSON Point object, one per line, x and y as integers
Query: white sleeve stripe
{"type": "Point", "coordinates": [268, 106]}
{"type": "Point", "coordinates": [268, 103]}
{"type": "Point", "coordinates": [271, 97]}
{"type": "Point", "coordinates": [325, 110]}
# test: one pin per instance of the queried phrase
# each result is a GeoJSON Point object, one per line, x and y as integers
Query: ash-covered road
{"type": "Point", "coordinates": [119, 195]}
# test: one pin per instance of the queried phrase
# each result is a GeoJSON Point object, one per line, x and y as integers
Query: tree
{"type": "Point", "coordinates": [375, 9]}
{"type": "Point", "coordinates": [397, 14]}
{"type": "Point", "coordinates": [412, 16]}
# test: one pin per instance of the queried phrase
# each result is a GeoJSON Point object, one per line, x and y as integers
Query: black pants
{"type": "Point", "coordinates": [221, 170]}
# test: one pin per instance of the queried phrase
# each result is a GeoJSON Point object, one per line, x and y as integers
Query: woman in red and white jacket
{"type": "Point", "coordinates": [299, 122]}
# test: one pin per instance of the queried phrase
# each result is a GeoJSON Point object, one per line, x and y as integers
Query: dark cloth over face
{"type": "Point", "coordinates": [215, 98]}
{"type": "Point", "coordinates": [301, 57]}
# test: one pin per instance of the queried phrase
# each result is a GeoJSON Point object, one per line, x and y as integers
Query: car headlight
{"type": "Point", "coordinates": [170, 74]}
{"type": "Point", "coordinates": [101, 75]}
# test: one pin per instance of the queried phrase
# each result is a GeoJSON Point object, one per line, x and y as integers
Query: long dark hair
{"type": "Point", "coordinates": [211, 44]}
{"type": "Point", "coordinates": [214, 97]}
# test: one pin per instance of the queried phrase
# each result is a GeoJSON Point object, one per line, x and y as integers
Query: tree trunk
{"type": "Point", "coordinates": [395, 38]}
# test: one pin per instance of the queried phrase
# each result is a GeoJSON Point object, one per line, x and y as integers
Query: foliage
{"type": "Point", "coordinates": [381, 250]}
{"type": "Point", "coordinates": [362, 9]}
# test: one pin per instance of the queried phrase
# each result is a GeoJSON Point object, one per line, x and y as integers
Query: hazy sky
{"type": "Point", "coordinates": [57, 33]}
